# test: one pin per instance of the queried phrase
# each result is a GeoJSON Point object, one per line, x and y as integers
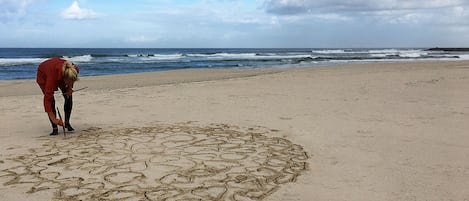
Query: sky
{"type": "Point", "coordinates": [234, 23]}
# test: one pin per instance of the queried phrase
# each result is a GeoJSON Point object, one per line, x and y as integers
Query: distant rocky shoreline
{"type": "Point", "coordinates": [448, 49]}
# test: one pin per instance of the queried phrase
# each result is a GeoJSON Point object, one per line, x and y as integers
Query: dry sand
{"type": "Point", "coordinates": [382, 131]}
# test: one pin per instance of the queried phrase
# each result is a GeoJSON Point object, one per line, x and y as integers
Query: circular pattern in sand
{"type": "Point", "coordinates": [164, 162]}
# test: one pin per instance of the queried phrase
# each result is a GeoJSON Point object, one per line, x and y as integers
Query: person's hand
{"type": "Point", "coordinates": [54, 119]}
{"type": "Point", "coordinates": [69, 92]}
{"type": "Point", "coordinates": [59, 122]}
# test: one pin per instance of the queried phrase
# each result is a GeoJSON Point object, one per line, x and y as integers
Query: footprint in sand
{"type": "Point", "coordinates": [164, 162]}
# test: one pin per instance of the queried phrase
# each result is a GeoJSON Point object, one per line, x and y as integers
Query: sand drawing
{"type": "Point", "coordinates": [163, 162]}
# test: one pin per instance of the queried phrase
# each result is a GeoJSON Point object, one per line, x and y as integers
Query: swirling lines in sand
{"type": "Point", "coordinates": [164, 162]}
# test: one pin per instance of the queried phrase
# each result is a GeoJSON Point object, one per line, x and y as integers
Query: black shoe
{"type": "Point", "coordinates": [69, 127]}
{"type": "Point", "coordinates": [55, 131]}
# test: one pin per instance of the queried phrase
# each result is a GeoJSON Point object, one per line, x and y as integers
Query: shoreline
{"type": "Point", "coordinates": [376, 131]}
{"type": "Point", "coordinates": [29, 87]}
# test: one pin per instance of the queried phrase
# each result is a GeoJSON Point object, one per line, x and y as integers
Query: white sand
{"type": "Point", "coordinates": [397, 131]}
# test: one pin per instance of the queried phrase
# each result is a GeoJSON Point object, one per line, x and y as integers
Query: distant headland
{"type": "Point", "coordinates": [453, 49]}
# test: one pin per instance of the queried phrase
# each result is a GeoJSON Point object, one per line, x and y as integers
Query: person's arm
{"type": "Point", "coordinates": [69, 88]}
{"type": "Point", "coordinates": [49, 96]}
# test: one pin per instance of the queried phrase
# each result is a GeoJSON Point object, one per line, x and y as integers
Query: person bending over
{"type": "Point", "coordinates": [52, 74]}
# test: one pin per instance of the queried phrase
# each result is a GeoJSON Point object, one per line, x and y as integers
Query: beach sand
{"type": "Point", "coordinates": [379, 131]}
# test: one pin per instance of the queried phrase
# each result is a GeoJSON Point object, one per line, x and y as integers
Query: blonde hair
{"type": "Point", "coordinates": [69, 72]}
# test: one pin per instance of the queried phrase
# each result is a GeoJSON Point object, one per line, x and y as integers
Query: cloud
{"type": "Point", "coordinates": [76, 13]}
{"type": "Point", "coordinates": [14, 8]}
{"type": "Point", "coordinates": [422, 12]}
{"type": "Point", "coordinates": [287, 7]}
{"type": "Point", "coordinates": [140, 39]}
{"type": "Point", "coordinates": [290, 7]}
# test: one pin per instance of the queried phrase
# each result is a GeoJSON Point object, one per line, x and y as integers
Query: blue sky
{"type": "Point", "coordinates": [234, 23]}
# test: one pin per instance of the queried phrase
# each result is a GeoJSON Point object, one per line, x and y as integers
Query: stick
{"type": "Point", "coordinates": [60, 116]}
{"type": "Point", "coordinates": [80, 89]}
{"type": "Point", "coordinates": [76, 90]}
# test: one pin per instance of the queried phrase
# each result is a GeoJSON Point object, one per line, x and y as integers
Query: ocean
{"type": "Point", "coordinates": [21, 63]}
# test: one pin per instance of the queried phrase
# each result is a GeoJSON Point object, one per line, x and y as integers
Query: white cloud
{"type": "Point", "coordinates": [75, 12]}
{"type": "Point", "coordinates": [14, 8]}
{"type": "Point", "coordinates": [140, 39]}
{"type": "Point", "coordinates": [381, 11]}
{"type": "Point", "coordinates": [307, 6]}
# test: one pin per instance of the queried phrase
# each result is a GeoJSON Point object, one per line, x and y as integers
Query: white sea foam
{"type": "Point", "coordinates": [283, 57]}
{"type": "Point", "coordinates": [196, 55]}
{"type": "Point", "coordinates": [165, 56]}
{"type": "Point", "coordinates": [412, 54]}
{"type": "Point", "coordinates": [217, 56]}
{"type": "Point", "coordinates": [328, 51]}
{"type": "Point", "coordinates": [83, 58]}
{"type": "Point", "coordinates": [380, 55]}
{"type": "Point", "coordinates": [384, 51]}
{"type": "Point", "coordinates": [463, 56]}
{"type": "Point", "coordinates": [252, 56]}
{"type": "Point", "coordinates": [225, 55]}
{"type": "Point", "coordinates": [19, 61]}
{"type": "Point", "coordinates": [238, 55]}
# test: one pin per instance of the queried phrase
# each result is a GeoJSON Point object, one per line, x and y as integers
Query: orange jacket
{"type": "Point", "coordinates": [49, 78]}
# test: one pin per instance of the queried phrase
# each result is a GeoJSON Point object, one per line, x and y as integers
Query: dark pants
{"type": "Point", "coordinates": [67, 108]}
